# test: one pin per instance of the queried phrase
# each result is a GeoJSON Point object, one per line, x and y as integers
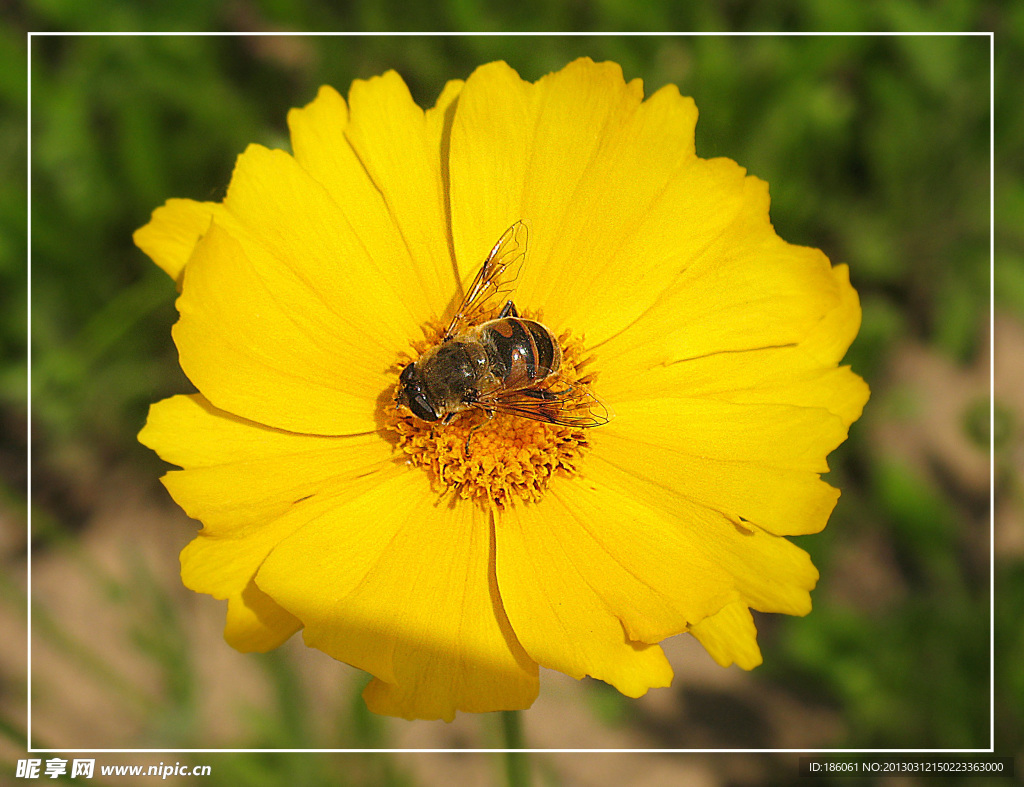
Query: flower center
{"type": "Point", "coordinates": [492, 458]}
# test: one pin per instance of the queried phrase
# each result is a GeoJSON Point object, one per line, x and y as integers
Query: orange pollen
{"type": "Point", "coordinates": [508, 456]}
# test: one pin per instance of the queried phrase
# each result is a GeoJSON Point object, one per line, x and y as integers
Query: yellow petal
{"type": "Point", "coordinates": [190, 432]}
{"type": "Point", "coordinates": [749, 290]}
{"type": "Point", "coordinates": [763, 570]}
{"type": "Point", "coordinates": [294, 232]}
{"type": "Point", "coordinates": [251, 486]}
{"type": "Point", "coordinates": [224, 557]}
{"type": "Point", "coordinates": [772, 375]}
{"type": "Point", "coordinates": [318, 133]}
{"type": "Point", "coordinates": [756, 463]}
{"type": "Point", "coordinates": [400, 147]}
{"type": "Point", "coordinates": [255, 623]}
{"type": "Point", "coordinates": [837, 390]}
{"type": "Point", "coordinates": [491, 135]}
{"type": "Point", "coordinates": [229, 497]}
{"type": "Point", "coordinates": [802, 374]}
{"type": "Point", "coordinates": [638, 254]}
{"type": "Point", "coordinates": [173, 231]}
{"type": "Point", "coordinates": [402, 585]}
{"type": "Point", "coordinates": [565, 571]}
{"type": "Point", "coordinates": [552, 153]}
{"type": "Point", "coordinates": [836, 332]}
{"type": "Point", "coordinates": [608, 561]}
{"type": "Point", "coordinates": [267, 347]}
{"type": "Point", "coordinates": [729, 636]}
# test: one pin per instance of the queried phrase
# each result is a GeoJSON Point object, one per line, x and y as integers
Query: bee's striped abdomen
{"type": "Point", "coordinates": [523, 351]}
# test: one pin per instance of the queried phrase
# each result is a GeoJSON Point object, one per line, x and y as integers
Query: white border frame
{"type": "Point", "coordinates": [989, 750]}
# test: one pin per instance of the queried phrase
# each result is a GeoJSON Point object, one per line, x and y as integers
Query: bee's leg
{"type": "Point", "coordinates": [445, 421]}
{"type": "Point", "coordinates": [490, 415]}
{"type": "Point", "coordinates": [508, 310]}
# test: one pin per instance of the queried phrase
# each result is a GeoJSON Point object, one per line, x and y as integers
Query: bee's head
{"type": "Point", "coordinates": [413, 394]}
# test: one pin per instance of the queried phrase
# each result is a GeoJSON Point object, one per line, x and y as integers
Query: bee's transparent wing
{"type": "Point", "coordinates": [495, 282]}
{"type": "Point", "coordinates": [571, 405]}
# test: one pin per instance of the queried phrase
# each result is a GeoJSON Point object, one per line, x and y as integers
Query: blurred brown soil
{"type": "Point", "coordinates": [931, 402]}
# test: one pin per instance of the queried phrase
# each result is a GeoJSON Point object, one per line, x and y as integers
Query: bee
{"type": "Point", "coordinates": [503, 365]}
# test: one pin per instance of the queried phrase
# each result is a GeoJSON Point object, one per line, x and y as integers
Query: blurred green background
{"type": "Point", "coordinates": [877, 151]}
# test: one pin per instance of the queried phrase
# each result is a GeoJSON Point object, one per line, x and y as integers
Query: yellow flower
{"type": "Point", "coordinates": [451, 574]}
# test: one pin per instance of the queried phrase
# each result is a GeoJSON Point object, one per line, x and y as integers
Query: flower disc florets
{"type": "Point", "coordinates": [492, 459]}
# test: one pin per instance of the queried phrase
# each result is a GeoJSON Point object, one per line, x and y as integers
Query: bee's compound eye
{"type": "Point", "coordinates": [413, 396]}
{"type": "Point", "coordinates": [421, 408]}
